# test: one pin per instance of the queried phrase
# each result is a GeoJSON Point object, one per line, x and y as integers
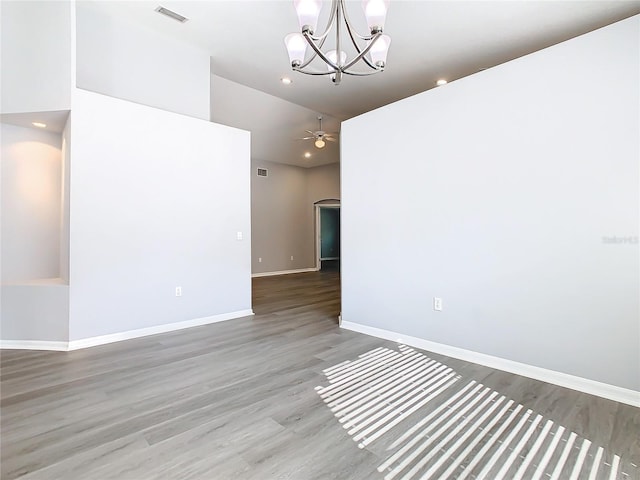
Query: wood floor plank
{"type": "Point", "coordinates": [240, 400]}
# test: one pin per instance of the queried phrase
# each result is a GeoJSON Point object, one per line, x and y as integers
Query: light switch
{"type": "Point", "coordinates": [239, 235]}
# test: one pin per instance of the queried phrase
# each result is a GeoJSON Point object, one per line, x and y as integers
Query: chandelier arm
{"type": "Point", "coordinates": [372, 38]}
{"type": "Point", "coordinates": [353, 31]}
{"type": "Point", "coordinates": [361, 55]}
{"type": "Point", "coordinates": [319, 53]}
{"type": "Point", "coordinates": [329, 22]}
{"type": "Point", "coordinates": [312, 58]}
{"type": "Point", "coordinates": [336, 69]}
{"type": "Point", "coordinates": [338, 45]}
{"type": "Point", "coordinates": [362, 74]}
{"type": "Point", "coordinates": [366, 60]}
{"type": "Point", "coordinates": [349, 30]}
{"type": "Point", "coordinates": [313, 72]}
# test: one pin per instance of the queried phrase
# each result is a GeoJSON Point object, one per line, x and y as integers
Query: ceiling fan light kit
{"type": "Point", "coordinates": [369, 49]}
{"type": "Point", "coordinates": [320, 137]}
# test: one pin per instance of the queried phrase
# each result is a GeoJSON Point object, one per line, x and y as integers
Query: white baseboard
{"type": "Point", "coordinates": [143, 332]}
{"type": "Point", "coordinates": [120, 336]}
{"type": "Point", "coordinates": [33, 345]}
{"type": "Point", "coordinates": [593, 387]}
{"type": "Point", "coordinates": [284, 272]}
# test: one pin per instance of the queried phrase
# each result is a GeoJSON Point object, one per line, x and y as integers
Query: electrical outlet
{"type": "Point", "coordinates": [178, 291]}
{"type": "Point", "coordinates": [239, 235]}
{"type": "Point", "coordinates": [437, 304]}
{"type": "Point", "coordinates": [259, 259]}
{"type": "Point", "coordinates": [291, 257]}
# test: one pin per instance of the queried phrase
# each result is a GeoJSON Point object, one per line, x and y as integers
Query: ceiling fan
{"type": "Point", "coordinates": [320, 136]}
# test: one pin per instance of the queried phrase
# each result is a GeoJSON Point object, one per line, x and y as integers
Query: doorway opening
{"type": "Point", "coordinates": [328, 236]}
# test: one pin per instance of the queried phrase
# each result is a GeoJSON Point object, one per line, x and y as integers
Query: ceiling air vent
{"type": "Point", "coordinates": [170, 14]}
{"type": "Point", "coordinates": [262, 172]}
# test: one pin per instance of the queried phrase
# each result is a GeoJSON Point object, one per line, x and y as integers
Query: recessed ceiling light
{"type": "Point", "coordinates": [441, 82]}
{"type": "Point", "coordinates": [307, 155]}
{"type": "Point", "coordinates": [39, 124]}
{"type": "Point", "coordinates": [286, 80]}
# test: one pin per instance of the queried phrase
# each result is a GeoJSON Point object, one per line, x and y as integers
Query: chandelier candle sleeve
{"type": "Point", "coordinates": [296, 46]}
{"type": "Point", "coordinates": [308, 13]}
{"type": "Point", "coordinates": [370, 49]}
{"type": "Point", "coordinates": [379, 50]}
{"type": "Point", "coordinates": [375, 12]}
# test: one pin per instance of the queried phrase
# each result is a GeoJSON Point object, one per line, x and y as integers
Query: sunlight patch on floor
{"type": "Point", "coordinates": [435, 427]}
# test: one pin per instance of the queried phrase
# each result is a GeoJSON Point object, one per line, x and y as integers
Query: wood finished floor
{"type": "Point", "coordinates": [252, 399]}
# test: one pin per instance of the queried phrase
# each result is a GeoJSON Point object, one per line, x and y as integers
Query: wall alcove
{"type": "Point", "coordinates": [35, 225]}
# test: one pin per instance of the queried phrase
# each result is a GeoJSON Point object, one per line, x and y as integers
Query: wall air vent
{"type": "Point", "coordinates": [262, 172]}
{"type": "Point", "coordinates": [170, 14]}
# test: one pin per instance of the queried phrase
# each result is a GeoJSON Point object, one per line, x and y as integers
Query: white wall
{"type": "Point", "coordinates": [34, 311]}
{"type": "Point", "coordinates": [31, 207]}
{"type": "Point", "coordinates": [132, 62]}
{"type": "Point", "coordinates": [65, 201]}
{"type": "Point", "coordinates": [36, 54]}
{"type": "Point", "coordinates": [156, 202]}
{"type": "Point", "coordinates": [495, 193]}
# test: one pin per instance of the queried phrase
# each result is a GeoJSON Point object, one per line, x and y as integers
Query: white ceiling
{"type": "Point", "coordinates": [54, 120]}
{"type": "Point", "coordinates": [430, 40]}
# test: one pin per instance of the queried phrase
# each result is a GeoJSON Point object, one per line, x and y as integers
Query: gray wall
{"type": "Point", "coordinates": [498, 193]}
{"type": "Point", "coordinates": [323, 182]}
{"type": "Point", "coordinates": [157, 200]}
{"type": "Point", "coordinates": [282, 214]}
{"type": "Point", "coordinates": [274, 123]}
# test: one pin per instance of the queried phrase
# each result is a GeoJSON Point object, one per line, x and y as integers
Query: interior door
{"type": "Point", "coordinates": [329, 233]}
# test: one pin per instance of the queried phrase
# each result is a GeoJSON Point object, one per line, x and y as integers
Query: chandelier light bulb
{"type": "Point", "coordinates": [333, 56]}
{"type": "Point", "coordinates": [319, 143]}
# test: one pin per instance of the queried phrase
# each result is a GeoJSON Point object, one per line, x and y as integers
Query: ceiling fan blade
{"type": "Point", "coordinates": [331, 139]}
{"type": "Point", "coordinates": [305, 138]}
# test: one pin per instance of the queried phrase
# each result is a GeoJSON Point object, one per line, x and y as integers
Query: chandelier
{"type": "Point", "coordinates": [369, 49]}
